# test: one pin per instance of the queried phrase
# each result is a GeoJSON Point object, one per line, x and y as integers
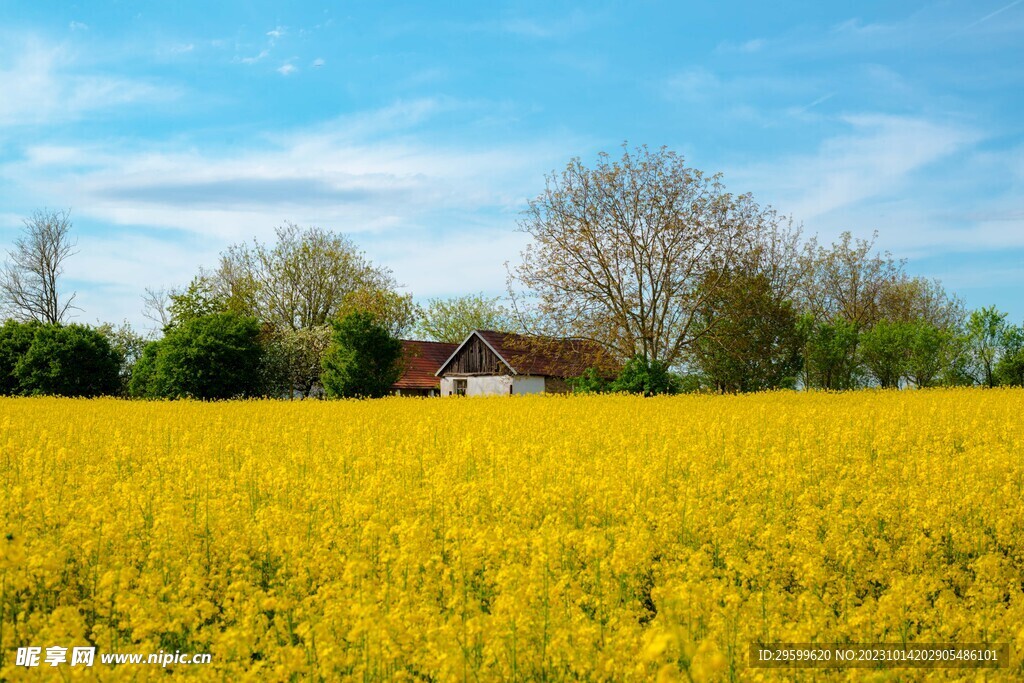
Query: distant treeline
{"type": "Point", "coordinates": [690, 287]}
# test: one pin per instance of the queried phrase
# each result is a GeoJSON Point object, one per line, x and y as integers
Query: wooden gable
{"type": "Point", "coordinates": [475, 357]}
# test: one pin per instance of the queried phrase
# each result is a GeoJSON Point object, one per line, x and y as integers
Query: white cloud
{"type": "Point", "coordinates": [263, 54]}
{"type": "Point", "coordinates": [42, 86]}
{"type": "Point", "coordinates": [431, 265]}
{"type": "Point", "coordinates": [918, 182]}
{"type": "Point", "coordinates": [317, 63]}
{"type": "Point", "coordinates": [441, 215]}
{"type": "Point", "coordinates": [287, 69]}
{"type": "Point", "coordinates": [875, 158]}
{"type": "Point", "coordinates": [78, 26]}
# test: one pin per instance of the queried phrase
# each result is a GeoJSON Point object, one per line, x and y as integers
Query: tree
{"type": "Point", "coordinates": [985, 328]}
{"type": "Point", "coordinates": [958, 368]}
{"type": "Point", "coordinates": [128, 345]}
{"type": "Point", "coordinates": [143, 382]}
{"type": "Point", "coordinates": [68, 360]}
{"type": "Point", "coordinates": [830, 353]}
{"type": "Point", "coordinates": [156, 305]}
{"type": "Point", "coordinates": [452, 320]}
{"type": "Point", "coordinates": [627, 252]}
{"type": "Point", "coordinates": [199, 299]}
{"type": "Point", "coordinates": [754, 343]}
{"type": "Point", "coordinates": [396, 312]}
{"type": "Point", "coordinates": [293, 359]}
{"type": "Point", "coordinates": [847, 281]}
{"type": "Point", "coordinates": [928, 353]}
{"type": "Point", "coordinates": [647, 377]}
{"type": "Point", "coordinates": [214, 356]}
{"type": "Point", "coordinates": [363, 361]}
{"type": "Point", "coordinates": [912, 300]}
{"type": "Point", "coordinates": [1009, 368]}
{"type": "Point", "coordinates": [885, 351]}
{"type": "Point", "coordinates": [15, 339]}
{"type": "Point", "coordinates": [30, 280]}
{"type": "Point", "coordinates": [300, 281]}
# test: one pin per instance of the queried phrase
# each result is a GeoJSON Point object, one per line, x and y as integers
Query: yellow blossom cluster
{"type": "Point", "coordinates": [515, 538]}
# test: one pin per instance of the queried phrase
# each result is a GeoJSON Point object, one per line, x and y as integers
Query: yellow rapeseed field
{"type": "Point", "coordinates": [522, 538]}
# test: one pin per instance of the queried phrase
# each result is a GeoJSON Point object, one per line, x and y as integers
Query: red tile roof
{"type": "Point", "coordinates": [548, 356]}
{"type": "Point", "coordinates": [422, 359]}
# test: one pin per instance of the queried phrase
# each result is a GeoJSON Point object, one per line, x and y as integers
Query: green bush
{"type": "Point", "coordinates": [15, 338]}
{"type": "Point", "coordinates": [1010, 366]}
{"type": "Point", "coordinates": [71, 360]}
{"type": "Point", "coordinates": [213, 356]}
{"type": "Point", "coordinates": [648, 377]}
{"type": "Point", "coordinates": [363, 360]}
{"type": "Point", "coordinates": [590, 382]}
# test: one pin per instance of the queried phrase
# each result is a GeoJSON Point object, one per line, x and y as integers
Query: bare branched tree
{"type": "Point", "coordinates": [29, 282]}
{"type": "Point", "coordinates": [156, 305]}
{"type": "Point", "coordinates": [628, 252]}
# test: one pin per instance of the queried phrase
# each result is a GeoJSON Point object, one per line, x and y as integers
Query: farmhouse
{"type": "Point", "coordinates": [421, 359]}
{"type": "Point", "coordinates": [489, 362]}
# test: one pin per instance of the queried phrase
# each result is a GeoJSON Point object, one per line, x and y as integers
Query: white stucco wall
{"type": "Point", "coordinates": [491, 385]}
{"type": "Point", "coordinates": [528, 385]}
{"type": "Point", "coordinates": [494, 385]}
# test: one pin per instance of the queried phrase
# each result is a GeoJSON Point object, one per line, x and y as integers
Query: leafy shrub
{"type": "Point", "coordinates": [363, 361]}
{"type": "Point", "coordinates": [214, 356]}
{"type": "Point", "coordinates": [71, 360]}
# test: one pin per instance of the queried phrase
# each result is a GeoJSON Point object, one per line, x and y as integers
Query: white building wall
{"type": "Point", "coordinates": [489, 385]}
{"type": "Point", "coordinates": [494, 385]}
{"type": "Point", "coordinates": [528, 385]}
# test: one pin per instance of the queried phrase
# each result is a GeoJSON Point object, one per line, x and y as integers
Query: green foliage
{"type": "Point", "coordinates": [689, 383]}
{"type": "Point", "coordinates": [71, 360]}
{"type": "Point", "coordinates": [644, 376]}
{"type": "Point", "coordinates": [590, 382]}
{"type": "Point", "coordinates": [885, 351]}
{"type": "Point", "coordinates": [300, 281]}
{"type": "Point", "coordinates": [364, 359]}
{"type": "Point", "coordinates": [928, 353]}
{"type": "Point", "coordinates": [753, 341]}
{"type": "Point", "coordinates": [142, 383]}
{"type": "Point", "coordinates": [830, 354]}
{"type": "Point", "coordinates": [293, 360]}
{"type": "Point", "coordinates": [1009, 368]}
{"type": "Point", "coordinates": [397, 313]}
{"type": "Point", "coordinates": [214, 356]}
{"type": "Point", "coordinates": [985, 329]}
{"type": "Point", "coordinates": [197, 301]}
{"type": "Point", "coordinates": [128, 346]}
{"type": "Point", "coordinates": [452, 320]}
{"type": "Point", "coordinates": [15, 339]}
{"type": "Point", "coordinates": [957, 362]}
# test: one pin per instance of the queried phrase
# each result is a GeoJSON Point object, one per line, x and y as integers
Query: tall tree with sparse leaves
{"type": "Point", "coordinates": [30, 283]}
{"type": "Point", "coordinates": [626, 252]}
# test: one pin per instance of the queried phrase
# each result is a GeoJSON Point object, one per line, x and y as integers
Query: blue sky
{"type": "Point", "coordinates": [172, 130]}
